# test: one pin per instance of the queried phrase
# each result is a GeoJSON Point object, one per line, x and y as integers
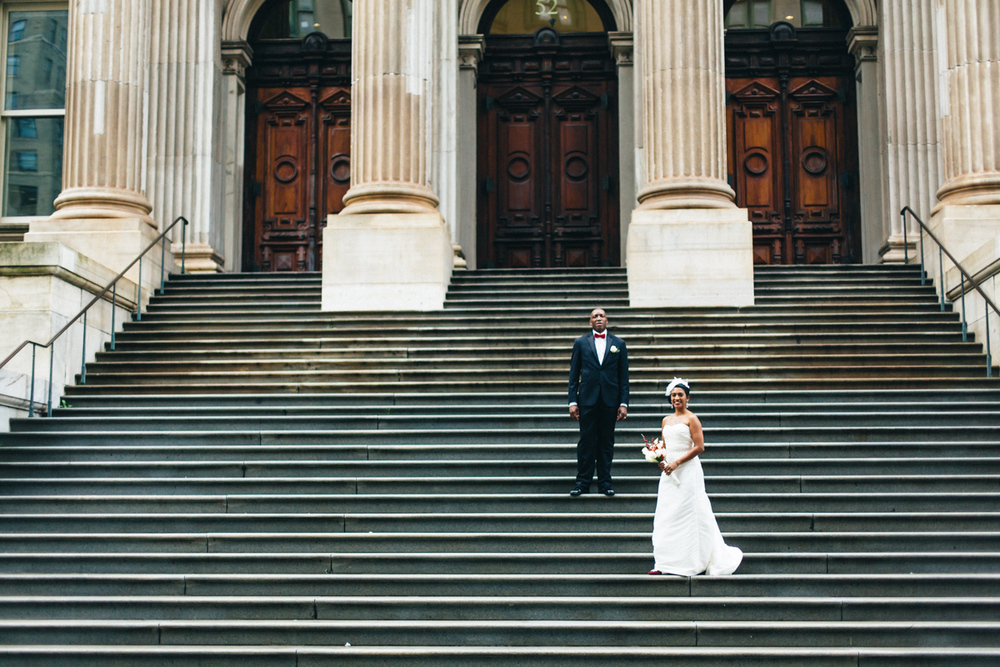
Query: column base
{"type": "Point", "coordinates": [690, 258]}
{"type": "Point", "coordinates": [385, 261]}
{"type": "Point", "coordinates": [895, 251]}
{"type": "Point", "coordinates": [111, 242]}
{"type": "Point", "coordinates": [199, 258]}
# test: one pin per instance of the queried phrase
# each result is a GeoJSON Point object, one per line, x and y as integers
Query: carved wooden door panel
{"type": "Point", "coordinates": [548, 161]}
{"type": "Point", "coordinates": [302, 172]}
{"type": "Point", "coordinates": [791, 163]}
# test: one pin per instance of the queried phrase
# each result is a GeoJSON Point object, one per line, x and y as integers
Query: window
{"type": "Point", "coordinates": [27, 161]}
{"type": "Point", "coordinates": [294, 19]}
{"type": "Point", "coordinates": [756, 14]}
{"type": "Point", "coordinates": [520, 17]}
{"type": "Point", "coordinates": [26, 128]}
{"type": "Point", "coordinates": [17, 30]}
{"type": "Point", "coordinates": [34, 95]}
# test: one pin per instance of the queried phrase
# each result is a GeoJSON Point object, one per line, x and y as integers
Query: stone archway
{"type": "Point", "coordinates": [471, 12]}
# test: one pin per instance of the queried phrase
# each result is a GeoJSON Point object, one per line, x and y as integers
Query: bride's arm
{"type": "Point", "coordinates": [698, 446]}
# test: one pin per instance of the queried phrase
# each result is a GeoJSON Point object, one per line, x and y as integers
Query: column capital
{"type": "Point", "coordinates": [470, 51]}
{"type": "Point", "coordinates": [862, 43]}
{"type": "Point", "coordinates": [237, 56]}
{"type": "Point", "coordinates": [622, 48]}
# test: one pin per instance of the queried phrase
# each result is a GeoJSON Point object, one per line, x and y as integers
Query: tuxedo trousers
{"type": "Point", "coordinates": [596, 448]}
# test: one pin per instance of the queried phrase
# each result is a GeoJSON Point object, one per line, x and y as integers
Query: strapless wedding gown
{"type": "Point", "coordinates": [686, 537]}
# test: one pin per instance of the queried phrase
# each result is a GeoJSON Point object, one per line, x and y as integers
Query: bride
{"type": "Point", "coordinates": [686, 537]}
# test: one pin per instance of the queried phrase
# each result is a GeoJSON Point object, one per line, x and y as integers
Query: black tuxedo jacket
{"type": "Point", "coordinates": [590, 382]}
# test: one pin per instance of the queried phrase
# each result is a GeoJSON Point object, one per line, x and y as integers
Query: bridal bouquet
{"type": "Point", "coordinates": [654, 451]}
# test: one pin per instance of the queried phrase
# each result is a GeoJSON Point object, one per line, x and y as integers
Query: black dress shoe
{"type": "Point", "coordinates": [578, 490]}
{"type": "Point", "coordinates": [608, 491]}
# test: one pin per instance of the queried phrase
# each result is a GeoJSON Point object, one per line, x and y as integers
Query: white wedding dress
{"type": "Point", "coordinates": [686, 537]}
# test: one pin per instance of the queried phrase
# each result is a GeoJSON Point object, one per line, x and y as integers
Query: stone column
{"type": "Point", "coordinates": [688, 244]}
{"type": "Point", "coordinates": [862, 41]}
{"type": "Point", "coordinates": [967, 216]}
{"type": "Point", "coordinates": [623, 50]}
{"type": "Point", "coordinates": [968, 211]}
{"type": "Point", "coordinates": [911, 156]}
{"type": "Point", "coordinates": [470, 53]}
{"type": "Point", "coordinates": [236, 58]}
{"type": "Point", "coordinates": [185, 165]}
{"type": "Point", "coordinates": [389, 248]}
{"type": "Point", "coordinates": [971, 123]}
{"type": "Point", "coordinates": [103, 212]}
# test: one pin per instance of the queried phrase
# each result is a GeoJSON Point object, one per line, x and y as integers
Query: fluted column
{"type": "Point", "coordinates": [688, 244]}
{"type": "Point", "coordinates": [911, 159]}
{"type": "Point", "coordinates": [967, 216]}
{"type": "Point", "coordinates": [389, 249]}
{"type": "Point", "coordinates": [971, 123]}
{"type": "Point", "coordinates": [685, 107]}
{"type": "Point", "coordinates": [392, 63]}
{"type": "Point", "coordinates": [185, 166]}
{"type": "Point", "coordinates": [106, 88]}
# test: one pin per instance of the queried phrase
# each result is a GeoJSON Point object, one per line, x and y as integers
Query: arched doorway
{"type": "Point", "coordinates": [548, 136]}
{"type": "Point", "coordinates": [793, 157]}
{"type": "Point", "coordinates": [298, 131]}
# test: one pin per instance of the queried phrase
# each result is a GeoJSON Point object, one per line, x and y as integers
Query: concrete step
{"type": "Point", "coordinates": [858, 483]}
{"type": "Point", "coordinates": [491, 542]}
{"type": "Point", "coordinates": [642, 346]}
{"type": "Point", "coordinates": [201, 450]}
{"type": "Point", "coordinates": [552, 436]}
{"type": "Point", "coordinates": [921, 502]}
{"type": "Point", "coordinates": [391, 607]}
{"type": "Point", "coordinates": [487, 633]}
{"type": "Point", "coordinates": [670, 589]}
{"type": "Point", "coordinates": [306, 656]}
{"type": "Point", "coordinates": [484, 425]}
{"type": "Point", "coordinates": [626, 466]}
{"type": "Point", "coordinates": [456, 563]}
{"type": "Point", "coordinates": [857, 400]}
{"type": "Point", "coordinates": [441, 521]}
{"type": "Point", "coordinates": [430, 349]}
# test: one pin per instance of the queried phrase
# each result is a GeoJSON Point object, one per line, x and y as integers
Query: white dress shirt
{"type": "Point", "coordinates": [602, 345]}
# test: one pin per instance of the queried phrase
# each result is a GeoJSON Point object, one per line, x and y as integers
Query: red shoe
{"type": "Point", "coordinates": [655, 572]}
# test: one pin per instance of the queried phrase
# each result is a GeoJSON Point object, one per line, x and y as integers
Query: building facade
{"type": "Point", "coordinates": [388, 143]}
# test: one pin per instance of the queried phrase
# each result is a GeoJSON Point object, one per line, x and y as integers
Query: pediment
{"type": "Point", "coordinates": [813, 91]}
{"type": "Point", "coordinates": [576, 98]}
{"type": "Point", "coordinates": [285, 101]}
{"type": "Point", "coordinates": [339, 100]}
{"type": "Point", "coordinates": [519, 99]}
{"type": "Point", "coordinates": [756, 92]}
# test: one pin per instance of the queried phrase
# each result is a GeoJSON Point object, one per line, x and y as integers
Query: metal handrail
{"type": "Point", "coordinates": [113, 287]}
{"type": "Point", "coordinates": [965, 276]}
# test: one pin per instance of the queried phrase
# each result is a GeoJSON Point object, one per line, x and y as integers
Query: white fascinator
{"type": "Point", "coordinates": [678, 382]}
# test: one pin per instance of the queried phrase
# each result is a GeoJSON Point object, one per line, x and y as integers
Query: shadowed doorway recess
{"type": "Point", "coordinates": [298, 131]}
{"type": "Point", "coordinates": [548, 137]}
{"type": "Point", "coordinates": [793, 129]}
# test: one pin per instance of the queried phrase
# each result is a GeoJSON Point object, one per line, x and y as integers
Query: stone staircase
{"type": "Point", "coordinates": [248, 481]}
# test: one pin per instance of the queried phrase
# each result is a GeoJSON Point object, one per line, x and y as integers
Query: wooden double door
{"type": "Point", "coordinates": [548, 152]}
{"type": "Point", "coordinates": [299, 161]}
{"type": "Point", "coordinates": [793, 157]}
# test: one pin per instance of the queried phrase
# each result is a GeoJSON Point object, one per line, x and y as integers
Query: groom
{"type": "Point", "coordinates": [598, 397]}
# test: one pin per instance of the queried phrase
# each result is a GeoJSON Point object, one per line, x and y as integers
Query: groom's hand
{"type": "Point", "coordinates": [574, 412]}
{"type": "Point", "coordinates": [622, 412]}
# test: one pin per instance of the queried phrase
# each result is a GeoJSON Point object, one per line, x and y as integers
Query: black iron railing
{"type": "Point", "coordinates": [965, 276]}
{"type": "Point", "coordinates": [113, 288]}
